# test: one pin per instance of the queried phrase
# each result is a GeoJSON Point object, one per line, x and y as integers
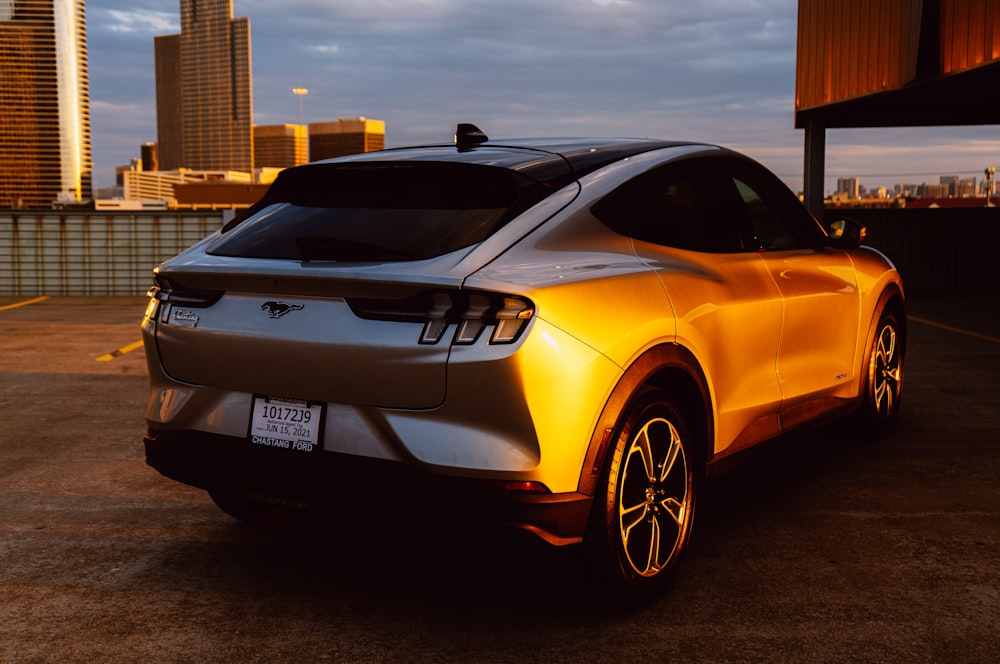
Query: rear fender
{"type": "Point", "coordinates": [669, 367]}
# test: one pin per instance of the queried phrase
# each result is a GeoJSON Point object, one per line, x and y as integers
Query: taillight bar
{"type": "Point", "coordinates": [167, 291]}
{"type": "Point", "coordinates": [470, 312]}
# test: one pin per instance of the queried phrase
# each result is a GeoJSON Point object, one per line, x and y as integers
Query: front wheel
{"type": "Point", "coordinates": [884, 376]}
{"type": "Point", "coordinates": [644, 509]}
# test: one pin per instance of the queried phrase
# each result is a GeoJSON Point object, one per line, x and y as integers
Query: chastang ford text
{"type": "Point", "coordinates": [297, 445]}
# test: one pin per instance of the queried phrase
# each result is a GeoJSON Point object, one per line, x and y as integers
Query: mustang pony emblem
{"type": "Point", "coordinates": [278, 309]}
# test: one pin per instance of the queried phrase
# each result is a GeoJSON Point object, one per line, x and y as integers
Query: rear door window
{"type": "Point", "coordinates": [683, 205]}
{"type": "Point", "coordinates": [774, 218]}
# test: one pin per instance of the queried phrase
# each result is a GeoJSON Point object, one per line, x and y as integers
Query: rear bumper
{"type": "Point", "coordinates": [328, 479]}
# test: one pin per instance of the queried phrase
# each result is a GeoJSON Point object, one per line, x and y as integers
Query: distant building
{"type": "Point", "coordinates": [204, 90]}
{"type": "Point", "coordinates": [280, 146]}
{"type": "Point", "coordinates": [967, 188]}
{"type": "Point", "coordinates": [949, 202]}
{"type": "Point", "coordinates": [849, 186]}
{"type": "Point", "coordinates": [951, 181]}
{"type": "Point", "coordinates": [345, 137]}
{"type": "Point", "coordinates": [140, 185]}
{"type": "Point", "coordinates": [150, 157]}
{"type": "Point", "coordinates": [934, 190]}
{"type": "Point", "coordinates": [218, 195]}
{"type": "Point", "coordinates": [45, 152]}
{"type": "Point", "coordinates": [122, 205]}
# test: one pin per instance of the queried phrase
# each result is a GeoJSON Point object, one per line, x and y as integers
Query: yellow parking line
{"type": "Point", "coordinates": [26, 302]}
{"type": "Point", "coordinates": [957, 330]}
{"type": "Point", "coordinates": [121, 351]}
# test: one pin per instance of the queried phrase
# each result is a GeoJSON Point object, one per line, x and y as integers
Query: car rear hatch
{"type": "Point", "coordinates": [343, 284]}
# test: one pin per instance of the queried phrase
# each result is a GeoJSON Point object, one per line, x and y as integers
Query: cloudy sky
{"type": "Point", "coordinates": [720, 71]}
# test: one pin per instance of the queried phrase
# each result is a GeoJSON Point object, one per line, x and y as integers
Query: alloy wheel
{"type": "Point", "coordinates": [886, 371]}
{"type": "Point", "coordinates": [654, 497]}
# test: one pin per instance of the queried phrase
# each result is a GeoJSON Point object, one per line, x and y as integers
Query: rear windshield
{"type": "Point", "coordinates": [386, 211]}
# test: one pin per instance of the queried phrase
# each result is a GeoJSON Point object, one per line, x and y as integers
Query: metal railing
{"type": "Point", "coordinates": [92, 253]}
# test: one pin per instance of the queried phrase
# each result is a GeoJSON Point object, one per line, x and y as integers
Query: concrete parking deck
{"type": "Point", "coordinates": [824, 548]}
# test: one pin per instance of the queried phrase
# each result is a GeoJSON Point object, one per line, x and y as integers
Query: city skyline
{"type": "Point", "coordinates": [720, 72]}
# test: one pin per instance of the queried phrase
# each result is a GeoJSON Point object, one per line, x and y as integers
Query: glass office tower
{"type": "Point", "coordinates": [204, 90]}
{"type": "Point", "coordinates": [45, 153]}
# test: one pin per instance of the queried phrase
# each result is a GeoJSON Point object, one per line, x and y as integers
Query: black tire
{"type": "Point", "coordinates": [644, 508]}
{"type": "Point", "coordinates": [883, 377]}
{"type": "Point", "coordinates": [237, 505]}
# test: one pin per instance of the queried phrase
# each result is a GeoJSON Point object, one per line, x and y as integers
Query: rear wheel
{"type": "Point", "coordinates": [645, 508]}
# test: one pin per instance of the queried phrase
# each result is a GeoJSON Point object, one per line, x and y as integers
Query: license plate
{"type": "Point", "coordinates": [286, 424]}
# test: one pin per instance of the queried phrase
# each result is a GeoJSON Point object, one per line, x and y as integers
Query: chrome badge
{"type": "Point", "coordinates": [184, 318]}
{"type": "Point", "coordinates": [278, 309]}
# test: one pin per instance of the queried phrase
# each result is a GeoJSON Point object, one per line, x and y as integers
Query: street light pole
{"type": "Point", "coordinates": [300, 93]}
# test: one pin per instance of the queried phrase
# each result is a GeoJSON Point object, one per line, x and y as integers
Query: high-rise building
{"type": "Point", "coordinates": [44, 103]}
{"type": "Point", "coordinates": [280, 146]}
{"type": "Point", "coordinates": [966, 188]}
{"type": "Point", "coordinates": [150, 157]}
{"type": "Point", "coordinates": [934, 190]}
{"type": "Point", "coordinates": [952, 183]}
{"type": "Point", "coordinates": [345, 137]}
{"type": "Point", "coordinates": [849, 186]}
{"type": "Point", "coordinates": [204, 93]}
{"type": "Point", "coordinates": [169, 116]}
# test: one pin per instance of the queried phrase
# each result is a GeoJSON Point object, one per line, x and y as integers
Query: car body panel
{"type": "Point", "coordinates": [729, 313]}
{"type": "Point", "coordinates": [546, 391]}
{"type": "Point", "coordinates": [820, 297]}
{"type": "Point", "coordinates": [318, 350]}
{"type": "Point", "coordinates": [757, 342]}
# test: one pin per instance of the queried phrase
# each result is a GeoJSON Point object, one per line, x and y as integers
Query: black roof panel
{"type": "Point", "coordinates": [551, 160]}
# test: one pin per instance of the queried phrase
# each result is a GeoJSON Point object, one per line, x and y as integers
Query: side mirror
{"type": "Point", "coordinates": [846, 233]}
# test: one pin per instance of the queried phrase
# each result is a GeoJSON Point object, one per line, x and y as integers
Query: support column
{"type": "Point", "coordinates": [815, 164]}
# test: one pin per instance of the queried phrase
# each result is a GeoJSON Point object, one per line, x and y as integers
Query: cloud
{"type": "Point", "coordinates": [143, 21]}
{"type": "Point", "coordinates": [721, 71]}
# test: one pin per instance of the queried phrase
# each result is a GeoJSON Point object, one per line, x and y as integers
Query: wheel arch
{"type": "Point", "coordinates": [671, 368]}
{"type": "Point", "coordinates": [865, 416]}
{"type": "Point", "coordinates": [891, 299]}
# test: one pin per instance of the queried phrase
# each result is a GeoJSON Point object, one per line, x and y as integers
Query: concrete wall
{"type": "Point", "coordinates": [940, 252]}
{"type": "Point", "coordinates": [90, 253]}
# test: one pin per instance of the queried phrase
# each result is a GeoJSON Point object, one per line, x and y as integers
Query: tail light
{"type": "Point", "coordinates": [166, 290]}
{"type": "Point", "coordinates": [505, 316]}
{"type": "Point", "coordinates": [166, 296]}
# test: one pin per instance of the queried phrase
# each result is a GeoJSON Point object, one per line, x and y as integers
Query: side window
{"type": "Point", "coordinates": [768, 226]}
{"type": "Point", "coordinates": [776, 220]}
{"type": "Point", "coordinates": [674, 207]}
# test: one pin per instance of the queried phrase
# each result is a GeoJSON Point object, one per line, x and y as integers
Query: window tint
{"type": "Point", "coordinates": [381, 211]}
{"type": "Point", "coordinates": [676, 206]}
{"type": "Point", "coordinates": [774, 218]}
{"type": "Point", "coordinates": [768, 227]}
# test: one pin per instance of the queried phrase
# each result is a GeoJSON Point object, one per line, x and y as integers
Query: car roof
{"type": "Point", "coordinates": [549, 160]}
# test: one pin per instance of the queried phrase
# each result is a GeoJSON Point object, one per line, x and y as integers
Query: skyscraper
{"type": "Point", "coordinates": [169, 116]}
{"type": "Point", "coordinates": [44, 103]}
{"type": "Point", "coordinates": [204, 94]}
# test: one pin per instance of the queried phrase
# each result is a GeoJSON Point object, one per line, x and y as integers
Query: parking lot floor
{"type": "Point", "coordinates": [826, 547]}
